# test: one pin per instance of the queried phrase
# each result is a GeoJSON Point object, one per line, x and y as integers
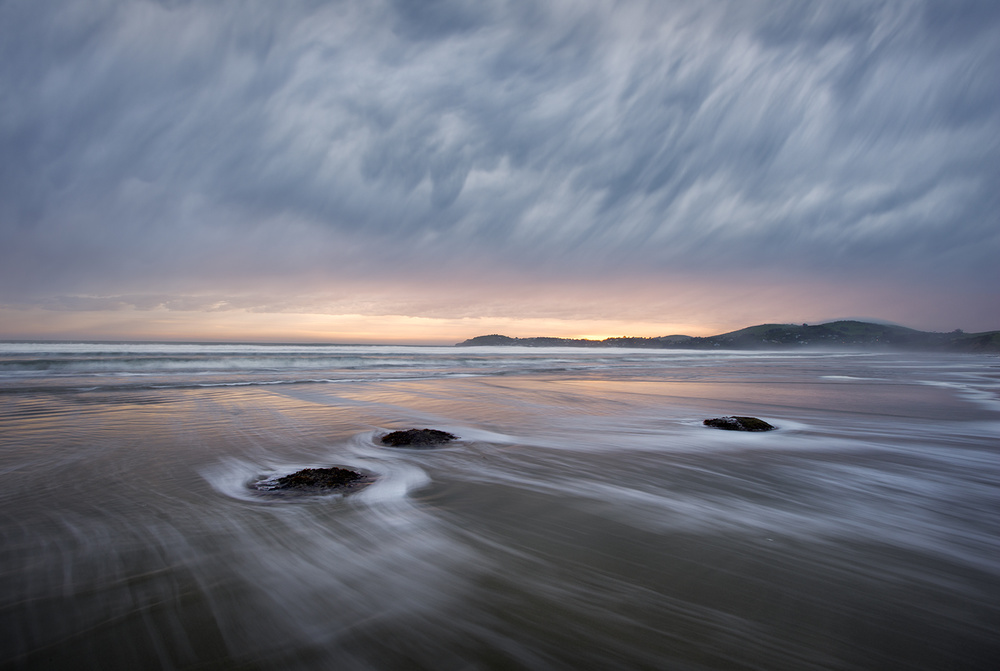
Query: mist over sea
{"type": "Point", "coordinates": [586, 519]}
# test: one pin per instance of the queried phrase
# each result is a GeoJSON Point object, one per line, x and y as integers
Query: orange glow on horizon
{"type": "Point", "coordinates": [433, 315]}
{"type": "Point", "coordinates": [242, 326]}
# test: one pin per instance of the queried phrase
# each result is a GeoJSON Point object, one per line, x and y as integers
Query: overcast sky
{"type": "Point", "coordinates": [434, 169]}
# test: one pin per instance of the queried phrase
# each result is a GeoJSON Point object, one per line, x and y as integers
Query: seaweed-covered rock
{"type": "Point", "coordinates": [739, 424]}
{"type": "Point", "coordinates": [316, 480]}
{"type": "Point", "coordinates": [416, 438]}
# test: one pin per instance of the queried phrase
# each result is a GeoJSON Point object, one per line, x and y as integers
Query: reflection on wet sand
{"type": "Point", "coordinates": [582, 519]}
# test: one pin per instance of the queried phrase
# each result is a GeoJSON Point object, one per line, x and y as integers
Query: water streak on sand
{"type": "Point", "coordinates": [584, 518]}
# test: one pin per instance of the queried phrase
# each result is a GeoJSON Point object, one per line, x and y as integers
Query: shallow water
{"type": "Point", "coordinates": [586, 518]}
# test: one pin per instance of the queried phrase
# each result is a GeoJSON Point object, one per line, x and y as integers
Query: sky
{"type": "Point", "coordinates": [427, 171]}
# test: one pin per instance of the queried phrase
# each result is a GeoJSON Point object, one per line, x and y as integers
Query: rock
{"type": "Point", "coordinates": [316, 480]}
{"type": "Point", "coordinates": [416, 438]}
{"type": "Point", "coordinates": [739, 424]}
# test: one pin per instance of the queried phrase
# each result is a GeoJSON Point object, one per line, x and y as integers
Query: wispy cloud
{"type": "Point", "coordinates": [417, 157]}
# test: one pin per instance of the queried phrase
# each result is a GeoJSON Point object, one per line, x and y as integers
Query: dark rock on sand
{"type": "Point", "coordinates": [316, 480]}
{"type": "Point", "coordinates": [416, 438]}
{"type": "Point", "coordinates": [739, 424]}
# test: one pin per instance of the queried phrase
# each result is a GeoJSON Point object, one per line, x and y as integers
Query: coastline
{"type": "Point", "coordinates": [832, 335]}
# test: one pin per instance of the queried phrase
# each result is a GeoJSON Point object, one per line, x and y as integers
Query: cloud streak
{"type": "Point", "coordinates": [416, 156]}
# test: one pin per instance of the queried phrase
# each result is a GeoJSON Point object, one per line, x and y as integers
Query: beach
{"type": "Point", "coordinates": [584, 518]}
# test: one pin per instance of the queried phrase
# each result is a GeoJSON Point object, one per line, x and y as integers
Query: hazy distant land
{"type": "Point", "coordinates": [838, 334]}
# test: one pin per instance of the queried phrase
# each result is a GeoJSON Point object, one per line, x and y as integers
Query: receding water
{"type": "Point", "coordinates": [585, 520]}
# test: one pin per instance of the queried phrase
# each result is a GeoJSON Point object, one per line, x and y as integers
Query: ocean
{"type": "Point", "coordinates": [585, 518]}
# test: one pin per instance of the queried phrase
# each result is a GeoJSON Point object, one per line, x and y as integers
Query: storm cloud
{"type": "Point", "coordinates": [416, 158]}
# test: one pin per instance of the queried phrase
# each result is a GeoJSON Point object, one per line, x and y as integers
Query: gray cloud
{"type": "Point", "coordinates": [177, 149]}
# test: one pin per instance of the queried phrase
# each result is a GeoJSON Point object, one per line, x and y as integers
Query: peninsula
{"type": "Point", "coordinates": [837, 334]}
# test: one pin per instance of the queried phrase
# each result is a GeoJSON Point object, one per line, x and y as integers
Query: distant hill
{"type": "Point", "coordinates": [839, 334]}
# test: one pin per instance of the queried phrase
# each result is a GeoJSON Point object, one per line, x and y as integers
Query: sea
{"type": "Point", "coordinates": [585, 518]}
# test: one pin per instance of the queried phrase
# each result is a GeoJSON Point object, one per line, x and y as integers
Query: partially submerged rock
{"type": "Point", "coordinates": [416, 438]}
{"type": "Point", "coordinates": [739, 424]}
{"type": "Point", "coordinates": [316, 480]}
